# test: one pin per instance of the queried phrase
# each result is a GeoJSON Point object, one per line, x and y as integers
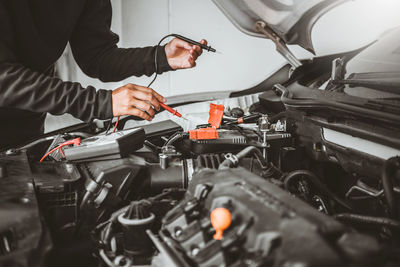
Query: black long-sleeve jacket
{"type": "Point", "coordinates": [33, 35]}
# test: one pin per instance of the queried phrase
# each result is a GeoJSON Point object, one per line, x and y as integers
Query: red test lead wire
{"type": "Point", "coordinates": [76, 141]}
{"type": "Point", "coordinates": [171, 110]}
{"type": "Point", "coordinates": [116, 125]}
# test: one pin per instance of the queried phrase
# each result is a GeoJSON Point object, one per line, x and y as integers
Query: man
{"type": "Point", "coordinates": [33, 35]}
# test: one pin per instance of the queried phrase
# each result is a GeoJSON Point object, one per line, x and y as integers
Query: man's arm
{"type": "Point", "coordinates": [23, 88]}
{"type": "Point", "coordinates": [95, 49]}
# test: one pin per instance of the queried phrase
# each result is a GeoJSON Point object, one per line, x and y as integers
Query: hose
{"type": "Point", "coordinates": [316, 182]}
{"type": "Point", "coordinates": [152, 146]}
{"type": "Point", "coordinates": [105, 259]}
{"type": "Point", "coordinates": [278, 116]}
{"type": "Point", "coordinates": [175, 138]}
{"type": "Point", "coordinates": [228, 163]}
{"type": "Point", "coordinates": [357, 218]}
{"type": "Point", "coordinates": [248, 150]}
{"type": "Point", "coordinates": [388, 174]}
{"type": "Point", "coordinates": [272, 172]}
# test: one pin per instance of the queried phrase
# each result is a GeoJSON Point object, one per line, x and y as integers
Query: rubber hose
{"type": "Point", "coordinates": [247, 151]}
{"type": "Point", "coordinates": [388, 174]}
{"type": "Point", "coordinates": [278, 116]}
{"type": "Point", "coordinates": [357, 218]}
{"type": "Point", "coordinates": [175, 138]}
{"type": "Point", "coordinates": [243, 153]}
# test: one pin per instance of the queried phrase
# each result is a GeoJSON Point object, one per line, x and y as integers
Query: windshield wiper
{"type": "Point", "coordinates": [383, 81]}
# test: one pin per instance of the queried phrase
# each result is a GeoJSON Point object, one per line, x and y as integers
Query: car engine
{"type": "Point", "coordinates": [252, 188]}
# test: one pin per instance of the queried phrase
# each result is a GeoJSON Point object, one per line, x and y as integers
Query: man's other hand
{"type": "Point", "coordinates": [136, 100]}
{"type": "Point", "coordinates": [181, 54]}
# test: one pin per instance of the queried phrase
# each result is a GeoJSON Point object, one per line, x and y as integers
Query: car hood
{"type": "Point", "coordinates": [291, 20]}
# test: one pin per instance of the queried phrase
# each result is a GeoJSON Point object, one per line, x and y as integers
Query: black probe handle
{"type": "Point", "coordinates": [190, 41]}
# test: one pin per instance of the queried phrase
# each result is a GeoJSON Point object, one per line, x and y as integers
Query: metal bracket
{"type": "Point", "coordinates": [338, 71]}
{"type": "Point", "coordinates": [262, 27]}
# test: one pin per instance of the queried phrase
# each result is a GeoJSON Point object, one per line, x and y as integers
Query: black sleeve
{"type": "Point", "coordinates": [25, 89]}
{"type": "Point", "coordinates": [94, 47]}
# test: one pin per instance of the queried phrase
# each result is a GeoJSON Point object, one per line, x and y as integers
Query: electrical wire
{"type": "Point", "coordinates": [76, 141]}
{"type": "Point", "coordinates": [109, 125]}
{"type": "Point", "coordinates": [50, 152]}
{"type": "Point", "coordinates": [156, 56]}
{"type": "Point", "coordinates": [152, 81]}
{"type": "Point", "coordinates": [116, 125]}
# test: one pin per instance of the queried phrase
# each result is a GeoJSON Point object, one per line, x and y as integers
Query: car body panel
{"type": "Point", "coordinates": [291, 20]}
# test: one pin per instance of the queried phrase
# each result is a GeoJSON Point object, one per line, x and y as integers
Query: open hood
{"type": "Point", "coordinates": [284, 21]}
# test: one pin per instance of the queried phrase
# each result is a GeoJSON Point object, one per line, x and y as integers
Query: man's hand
{"type": "Point", "coordinates": [181, 54]}
{"type": "Point", "coordinates": [136, 100]}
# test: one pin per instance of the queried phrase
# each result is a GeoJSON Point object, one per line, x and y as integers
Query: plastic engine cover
{"type": "Point", "coordinates": [268, 227]}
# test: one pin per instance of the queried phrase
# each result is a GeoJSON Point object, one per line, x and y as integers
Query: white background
{"type": "Point", "coordinates": [245, 61]}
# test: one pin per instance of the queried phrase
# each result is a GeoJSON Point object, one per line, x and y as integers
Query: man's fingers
{"type": "Point", "coordinates": [139, 113]}
{"type": "Point", "coordinates": [149, 90]}
{"type": "Point", "coordinates": [159, 97]}
{"type": "Point", "coordinates": [194, 54]}
{"type": "Point", "coordinates": [131, 86]}
{"type": "Point", "coordinates": [144, 106]}
{"type": "Point", "coordinates": [190, 62]}
{"type": "Point", "coordinates": [135, 100]}
{"type": "Point", "coordinates": [146, 96]}
{"type": "Point", "coordinates": [149, 95]}
{"type": "Point", "coordinates": [198, 50]}
{"type": "Point", "coordinates": [183, 44]}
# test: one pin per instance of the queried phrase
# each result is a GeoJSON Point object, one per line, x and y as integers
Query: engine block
{"type": "Point", "coordinates": [268, 225]}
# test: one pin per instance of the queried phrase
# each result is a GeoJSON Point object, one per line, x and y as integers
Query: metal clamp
{"type": "Point", "coordinates": [232, 158]}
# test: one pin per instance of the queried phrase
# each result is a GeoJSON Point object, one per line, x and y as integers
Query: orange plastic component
{"type": "Point", "coordinates": [216, 114]}
{"type": "Point", "coordinates": [220, 221]}
{"type": "Point", "coordinates": [215, 119]}
{"type": "Point", "coordinates": [204, 133]}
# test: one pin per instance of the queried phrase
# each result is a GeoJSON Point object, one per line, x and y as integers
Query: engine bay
{"type": "Point", "coordinates": [301, 170]}
{"type": "Point", "coordinates": [253, 188]}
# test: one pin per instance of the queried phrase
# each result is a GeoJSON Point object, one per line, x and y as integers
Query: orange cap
{"type": "Point", "coordinates": [220, 221]}
{"type": "Point", "coordinates": [216, 115]}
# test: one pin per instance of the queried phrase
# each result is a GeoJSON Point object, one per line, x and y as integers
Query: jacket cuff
{"type": "Point", "coordinates": [104, 104]}
{"type": "Point", "coordinates": [162, 61]}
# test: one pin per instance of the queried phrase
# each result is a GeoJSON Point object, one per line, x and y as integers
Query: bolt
{"type": "Point", "coordinates": [69, 168]}
{"type": "Point", "coordinates": [178, 232]}
{"type": "Point", "coordinates": [195, 251]}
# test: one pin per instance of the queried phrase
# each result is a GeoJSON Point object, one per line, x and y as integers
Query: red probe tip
{"type": "Point", "coordinates": [171, 110]}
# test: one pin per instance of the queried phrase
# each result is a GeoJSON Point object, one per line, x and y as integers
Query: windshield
{"type": "Point", "coordinates": [375, 72]}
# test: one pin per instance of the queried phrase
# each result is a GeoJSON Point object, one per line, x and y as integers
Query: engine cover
{"type": "Point", "coordinates": [269, 226]}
